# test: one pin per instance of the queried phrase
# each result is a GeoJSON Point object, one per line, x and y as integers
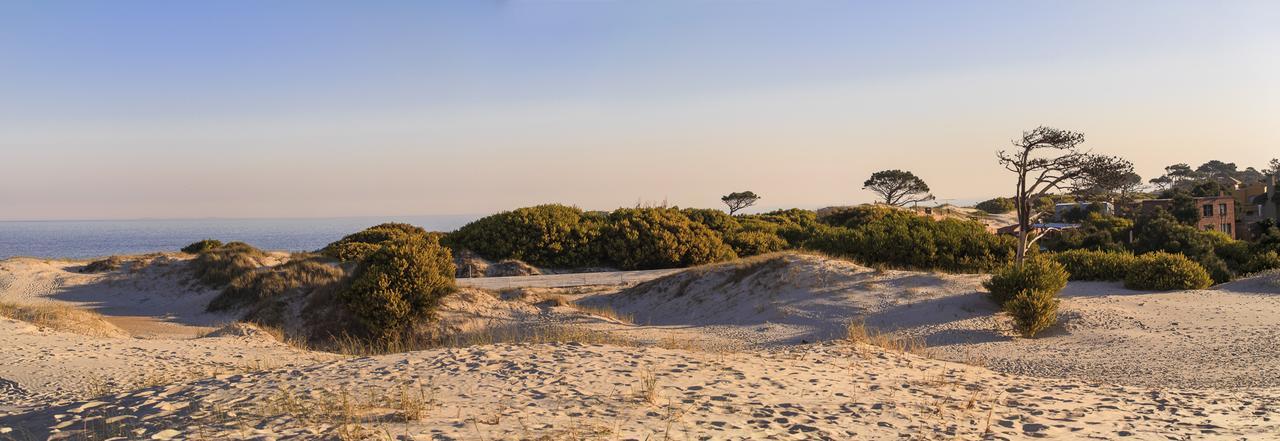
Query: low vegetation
{"type": "Point", "coordinates": [878, 235]}
{"type": "Point", "coordinates": [103, 265]}
{"type": "Point", "coordinates": [1032, 311]}
{"type": "Point", "coordinates": [202, 246]}
{"type": "Point", "coordinates": [217, 267]}
{"type": "Point", "coordinates": [262, 284]}
{"type": "Point", "coordinates": [1028, 292]}
{"type": "Point", "coordinates": [1166, 271]}
{"type": "Point", "coordinates": [398, 284]}
{"type": "Point", "coordinates": [1096, 265]}
{"type": "Point", "coordinates": [1036, 274]}
{"type": "Point", "coordinates": [996, 206]}
{"type": "Point", "coordinates": [61, 317]}
{"type": "Point", "coordinates": [357, 246]}
{"type": "Point", "coordinates": [649, 238]}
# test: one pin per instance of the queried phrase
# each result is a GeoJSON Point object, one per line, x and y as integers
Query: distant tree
{"type": "Point", "coordinates": [1216, 169]}
{"type": "Point", "coordinates": [1207, 189]}
{"type": "Point", "coordinates": [739, 200]}
{"type": "Point", "coordinates": [1048, 159]}
{"type": "Point", "coordinates": [1184, 208]}
{"type": "Point", "coordinates": [1118, 188]}
{"type": "Point", "coordinates": [1174, 176]}
{"type": "Point", "coordinates": [898, 187]}
{"type": "Point", "coordinates": [1273, 168]}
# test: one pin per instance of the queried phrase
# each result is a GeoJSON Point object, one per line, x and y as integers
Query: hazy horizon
{"type": "Point", "coordinates": [177, 110]}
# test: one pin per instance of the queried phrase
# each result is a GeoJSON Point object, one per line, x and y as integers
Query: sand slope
{"type": "Point", "coordinates": [573, 391]}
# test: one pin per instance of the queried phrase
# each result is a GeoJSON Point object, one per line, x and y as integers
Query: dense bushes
{"type": "Point", "coordinates": [882, 235]}
{"type": "Point", "coordinates": [547, 235]}
{"type": "Point", "coordinates": [647, 238]}
{"type": "Point", "coordinates": [266, 283]}
{"type": "Point", "coordinates": [216, 267]}
{"type": "Point", "coordinates": [1096, 265]}
{"type": "Point", "coordinates": [202, 246]}
{"type": "Point", "coordinates": [357, 245]}
{"type": "Point", "coordinates": [753, 242]}
{"type": "Point", "coordinates": [400, 282]}
{"type": "Point", "coordinates": [1166, 271]}
{"type": "Point", "coordinates": [1223, 257]}
{"type": "Point", "coordinates": [1036, 274]}
{"type": "Point", "coordinates": [996, 206]}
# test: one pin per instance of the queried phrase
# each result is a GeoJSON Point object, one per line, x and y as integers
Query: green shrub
{"type": "Point", "coordinates": [751, 243]}
{"type": "Point", "coordinates": [218, 266]}
{"type": "Point", "coordinates": [547, 235]}
{"type": "Point", "coordinates": [1038, 274]}
{"type": "Point", "coordinates": [716, 220]}
{"type": "Point", "coordinates": [1096, 265]}
{"type": "Point", "coordinates": [997, 205]}
{"type": "Point", "coordinates": [649, 238]}
{"type": "Point", "coordinates": [99, 266]}
{"type": "Point", "coordinates": [1032, 311]}
{"type": "Point", "coordinates": [1166, 271]}
{"type": "Point", "coordinates": [267, 283]}
{"type": "Point", "coordinates": [886, 236]}
{"type": "Point", "coordinates": [400, 283]}
{"type": "Point", "coordinates": [356, 246]}
{"type": "Point", "coordinates": [202, 246]}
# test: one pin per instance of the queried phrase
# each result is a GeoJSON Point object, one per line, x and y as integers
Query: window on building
{"type": "Point", "coordinates": [1226, 228]}
{"type": "Point", "coordinates": [1222, 209]}
{"type": "Point", "coordinates": [1208, 210]}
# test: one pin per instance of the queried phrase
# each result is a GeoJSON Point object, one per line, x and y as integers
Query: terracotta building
{"type": "Point", "coordinates": [1216, 213]}
{"type": "Point", "coordinates": [1253, 204]}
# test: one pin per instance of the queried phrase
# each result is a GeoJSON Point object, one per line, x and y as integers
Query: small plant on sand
{"type": "Point", "coordinates": [857, 332]}
{"type": "Point", "coordinates": [398, 284]}
{"type": "Point", "coordinates": [1037, 274]}
{"type": "Point", "coordinates": [202, 246]}
{"type": "Point", "coordinates": [647, 389]}
{"type": "Point", "coordinates": [1032, 311]}
{"type": "Point", "coordinates": [1166, 271]}
{"type": "Point", "coordinates": [100, 266]}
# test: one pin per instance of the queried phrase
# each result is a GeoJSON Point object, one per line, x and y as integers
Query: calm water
{"type": "Point", "coordinates": [84, 239]}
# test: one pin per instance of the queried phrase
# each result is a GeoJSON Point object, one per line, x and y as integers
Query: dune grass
{"type": "Point", "coordinates": [62, 317]}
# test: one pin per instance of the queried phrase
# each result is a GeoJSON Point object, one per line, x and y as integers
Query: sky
{"type": "Point", "coordinates": [163, 109]}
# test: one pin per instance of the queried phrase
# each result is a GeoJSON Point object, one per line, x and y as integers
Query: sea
{"type": "Point", "coordinates": [84, 239]}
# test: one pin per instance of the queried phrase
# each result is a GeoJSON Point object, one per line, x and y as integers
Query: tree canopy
{"type": "Point", "coordinates": [898, 187]}
{"type": "Point", "coordinates": [739, 200]}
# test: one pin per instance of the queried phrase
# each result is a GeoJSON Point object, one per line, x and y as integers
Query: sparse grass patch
{"type": "Point", "coordinates": [857, 332]}
{"type": "Point", "coordinates": [265, 283]}
{"type": "Point", "coordinates": [217, 267]}
{"type": "Point", "coordinates": [61, 317]}
{"type": "Point", "coordinates": [646, 389]}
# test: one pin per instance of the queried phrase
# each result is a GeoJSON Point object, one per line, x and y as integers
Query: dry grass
{"type": "Point", "coordinates": [605, 312]}
{"type": "Point", "coordinates": [647, 389]}
{"type": "Point", "coordinates": [857, 332]}
{"type": "Point", "coordinates": [62, 317]}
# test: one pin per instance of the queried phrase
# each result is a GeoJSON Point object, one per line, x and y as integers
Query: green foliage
{"type": "Point", "coordinates": [1038, 275]}
{"type": "Point", "coordinates": [202, 246]}
{"type": "Point", "coordinates": [1096, 232]}
{"type": "Point", "coordinates": [739, 200]}
{"type": "Point", "coordinates": [1166, 271]}
{"type": "Point", "coordinates": [998, 205]}
{"type": "Point", "coordinates": [218, 266]}
{"type": "Point", "coordinates": [547, 235]}
{"type": "Point", "coordinates": [886, 236]}
{"type": "Point", "coordinates": [1032, 311]}
{"type": "Point", "coordinates": [271, 282]}
{"type": "Point", "coordinates": [750, 243]}
{"type": "Point", "coordinates": [898, 187]}
{"type": "Point", "coordinates": [648, 238]}
{"type": "Point", "coordinates": [357, 245]}
{"type": "Point", "coordinates": [400, 283]}
{"type": "Point", "coordinates": [1096, 265]}
{"type": "Point", "coordinates": [716, 220]}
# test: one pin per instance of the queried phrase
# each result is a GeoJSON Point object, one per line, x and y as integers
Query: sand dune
{"type": "Point", "coordinates": [716, 352]}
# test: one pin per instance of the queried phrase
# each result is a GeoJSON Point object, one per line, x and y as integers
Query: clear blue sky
{"type": "Point", "coordinates": [255, 109]}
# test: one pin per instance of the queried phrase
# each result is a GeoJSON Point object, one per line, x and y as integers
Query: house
{"type": "Point", "coordinates": [1060, 211]}
{"type": "Point", "coordinates": [1252, 201]}
{"type": "Point", "coordinates": [1216, 213]}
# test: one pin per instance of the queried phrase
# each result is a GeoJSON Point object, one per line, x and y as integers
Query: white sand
{"type": "Point", "coordinates": [1137, 365]}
